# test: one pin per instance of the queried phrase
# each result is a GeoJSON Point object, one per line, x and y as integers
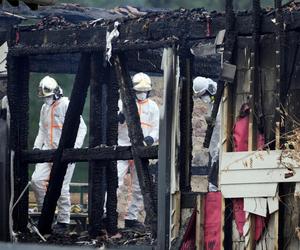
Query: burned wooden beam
{"type": "Point", "coordinates": [67, 140]}
{"type": "Point", "coordinates": [108, 153]}
{"type": "Point", "coordinates": [136, 137]}
{"type": "Point", "coordinates": [255, 84]}
{"type": "Point", "coordinates": [97, 168]}
{"type": "Point", "coordinates": [145, 60]}
{"type": "Point", "coordinates": [186, 126]}
{"type": "Point", "coordinates": [152, 27]}
{"type": "Point", "coordinates": [5, 183]}
{"type": "Point", "coordinates": [112, 139]}
{"type": "Point", "coordinates": [18, 97]}
{"type": "Point", "coordinates": [118, 46]}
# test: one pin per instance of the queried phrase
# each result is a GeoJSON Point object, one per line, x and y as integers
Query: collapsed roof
{"type": "Point", "coordinates": [67, 28]}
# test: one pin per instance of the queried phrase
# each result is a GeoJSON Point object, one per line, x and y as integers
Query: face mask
{"type": "Point", "coordinates": [141, 96]}
{"type": "Point", "coordinates": [48, 100]}
{"type": "Point", "coordinates": [206, 98]}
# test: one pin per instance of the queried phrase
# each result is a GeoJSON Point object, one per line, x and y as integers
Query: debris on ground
{"type": "Point", "coordinates": [123, 238]}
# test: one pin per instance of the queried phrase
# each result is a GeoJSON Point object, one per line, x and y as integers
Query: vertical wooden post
{"type": "Point", "coordinates": [200, 223]}
{"type": "Point", "coordinates": [97, 169]}
{"type": "Point", "coordinates": [254, 111]}
{"type": "Point", "coordinates": [227, 118]}
{"type": "Point", "coordinates": [18, 96]}
{"type": "Point", "coordinates": [67, 140]}
{"type": "Point", "coordinates": [112, 139]}
{"type": "Point", "coordinates": [4, 181]}
{"type": "Point", "coordinates": [279, 220]}
{"type": "Point", "coordinates": [186, 126]}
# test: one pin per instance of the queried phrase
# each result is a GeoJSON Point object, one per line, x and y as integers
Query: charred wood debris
{"type": "Point", "coordinates": [139, 30]}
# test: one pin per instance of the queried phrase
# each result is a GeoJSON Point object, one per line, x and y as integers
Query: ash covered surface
{"type": "Point", "coordinates": [54, 22]}
{"type": "Point", "coordinates": [65, 16]}
{"type": "Point", "coordinates": [128, 238]}
{"type": "Point", "coordinates": [68, 14]}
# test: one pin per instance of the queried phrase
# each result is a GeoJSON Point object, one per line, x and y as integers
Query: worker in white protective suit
{"type": "Point", "coordinates": [52, 117]}
{"type": "Point", "coordinates": [205, 89]}
{"type": "Point", "coordinates": [149, 117]}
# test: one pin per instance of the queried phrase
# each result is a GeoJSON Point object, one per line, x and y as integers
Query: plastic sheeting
{"type": "Point", "coordinates": [240, 136]}
{"type": "Point", "coordinates": [189, 235]}
{"type": "Point", "coordinates": [213, 221]}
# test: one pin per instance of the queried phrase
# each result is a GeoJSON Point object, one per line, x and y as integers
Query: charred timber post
{"type": "Point", "coordinates": [255, 113]}
{"type": "Point", "coordinates": [17, 90]}
{"type": "Point", "coordinates": [112, 139]}
{"type": "Point", "coordinates": [67, 140]}
{"type": "Point", "coordinates": [284, 188]}
{"type": "Point", "coordinates": [186, 126]}
{"type": "Point", "coordinates": [255, 83]}
{"type": "Point", "coordinates": [228, 55]}
{"type": "Point", "coordinates": [97, 168]}
{"type": "Point", "coordinates": [136, 137]}
{"type": "Point", "coordinates": [5, 183]}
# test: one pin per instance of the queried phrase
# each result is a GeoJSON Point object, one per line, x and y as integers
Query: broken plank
{"type": "Point", "coordinates": [262, 175]}
{"type": "Point", "coordinates": [249, 190]}
{"type": "Point", "coordinates": [251, 160]}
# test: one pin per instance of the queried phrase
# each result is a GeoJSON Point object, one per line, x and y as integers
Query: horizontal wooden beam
{"type": "Point", "coordinates": [118, 46]}
{"type": "Point", "coordinates": [88, 154]}
{"type": "Point", "coordinates": [138, 61]}
{"type": "Point", "coordinates": [148, 30]}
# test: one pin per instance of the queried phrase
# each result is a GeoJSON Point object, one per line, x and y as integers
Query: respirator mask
{"type": "Point", "coordinates": [206, 98]}
{"type": "Point", "coordinates": [48, 100]}
{"type": "Point", "coordinates": [141, 96]}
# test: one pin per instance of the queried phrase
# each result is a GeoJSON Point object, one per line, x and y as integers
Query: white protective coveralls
{"type": "Point", "coordinates": [214, 147]}
{"type": "Point", "coordinates": [4, 105]}
{"type": "Point", "coordinates": [214, 144]}
{"type": "Point", "coordinates": [149, 116]}
{"type": "Point", "coordinates": [50, 127]}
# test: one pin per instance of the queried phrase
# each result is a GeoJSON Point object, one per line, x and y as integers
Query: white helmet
{"type": "Point", "coordinates": [48, 86]}
{"type": "Point", "coordinates": [141, 82]}
{"type": "Point", "coordinates": [203, 84]}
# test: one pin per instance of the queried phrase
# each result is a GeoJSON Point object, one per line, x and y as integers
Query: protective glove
{"type": "Point", "coordinates": [121, 118]}
{"type": "Point", "coordinates": [148, 140]}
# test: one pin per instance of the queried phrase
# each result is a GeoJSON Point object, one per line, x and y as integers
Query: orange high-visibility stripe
{"type": "Point", "coordinates": [140, 103]}
{"type": "Point", "coordinates": [146, 124]}
{"type": "Point", "coordinates": [139, 108]}
{"type": "Point", "coordinates": [52, 124]}
{"type": "Point", "coordinates": [143, 102]}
